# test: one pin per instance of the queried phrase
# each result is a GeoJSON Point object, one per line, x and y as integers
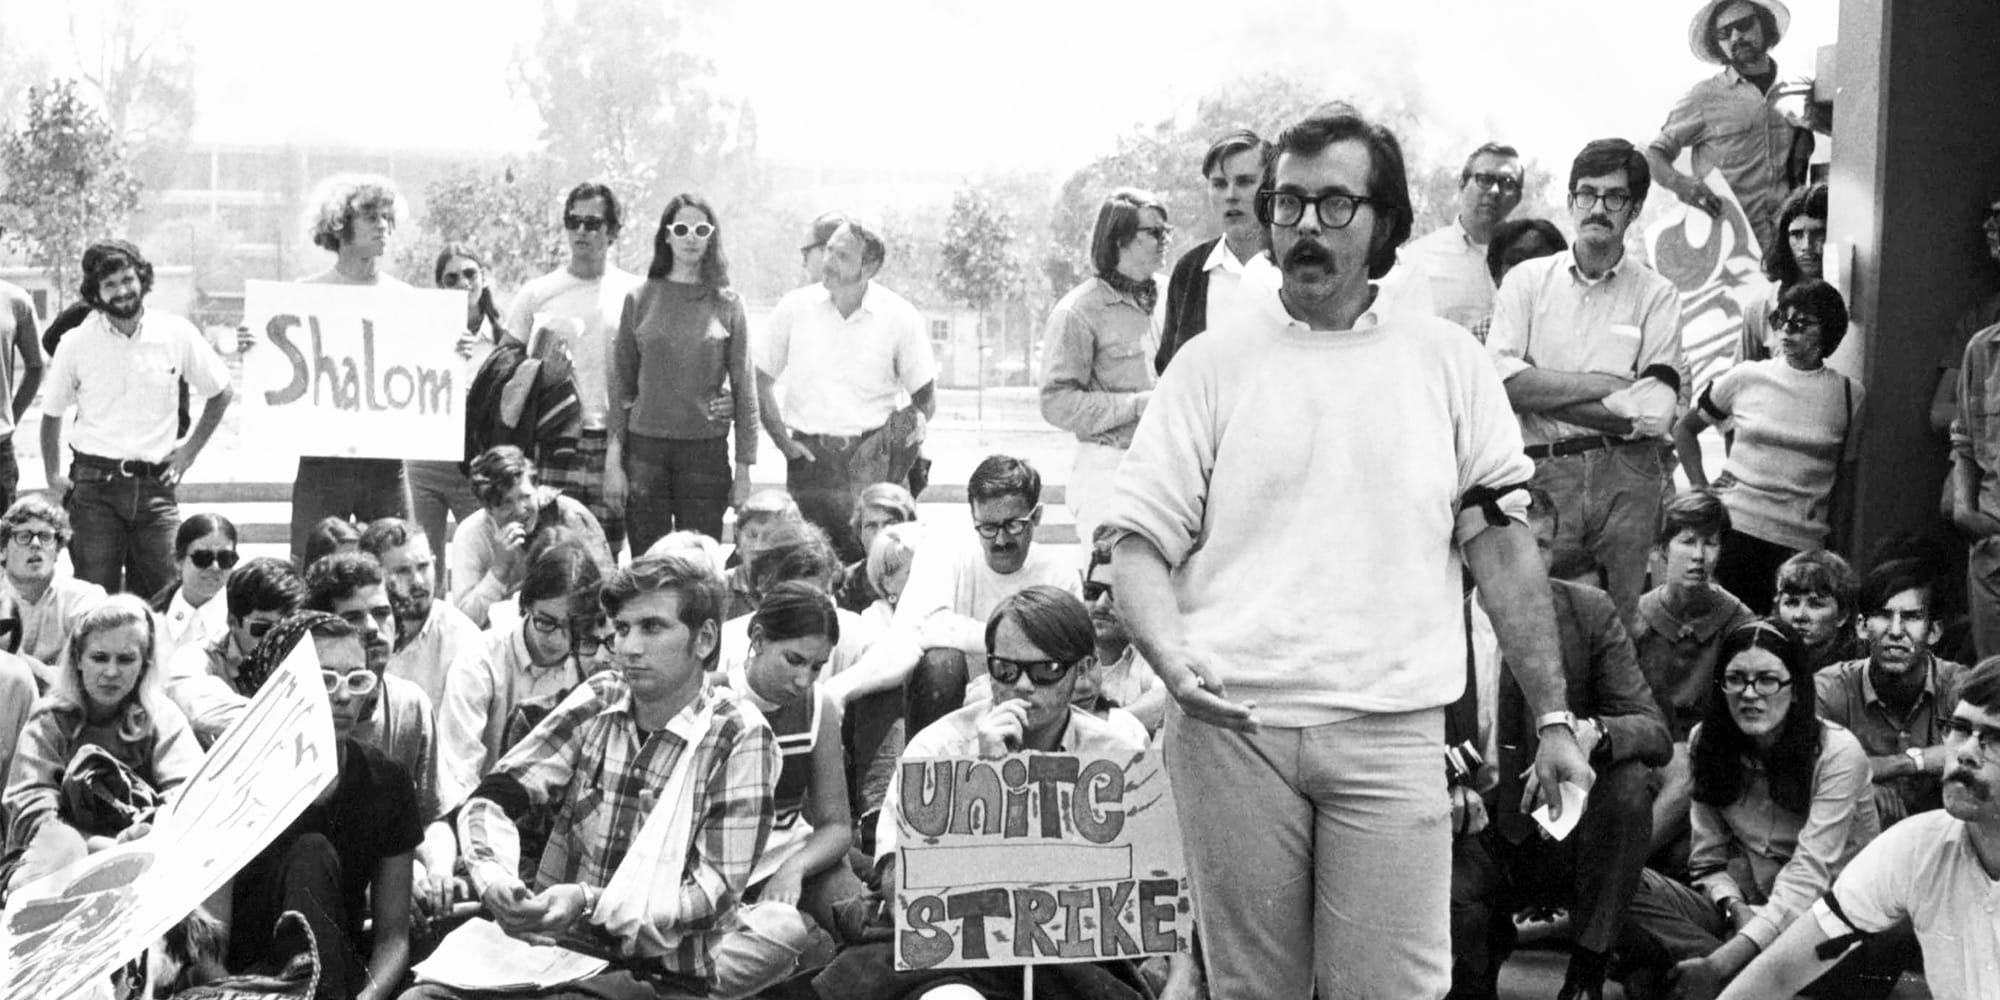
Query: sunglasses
{"type": "Point", "coordinates": [1094, 588]}
{"type": "Point", "coordinates": [1740, 26]}
{"type": "Point", "coordinates": [358, 683]}
{"type": "Point", "coordinates": [258, 630]}
{"type": "Point", "coordinates": [1795, 322]}
{"type": "Point", "coordinates": [1042, 672]}
{"type": "Point", "coordinates": [701, 230]}
{"type": "Point", "coordinates": [587, 223]}
{"type": "Point", "coordinates": [204, 558]}
{"type": "Point", "coordinates": [459, 278]}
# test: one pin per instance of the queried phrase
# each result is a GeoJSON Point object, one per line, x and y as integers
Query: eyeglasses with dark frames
{"type": "Point", "coordinates": [1287, 208]}
{"type": "Point", "coordinates": [1041, 672]}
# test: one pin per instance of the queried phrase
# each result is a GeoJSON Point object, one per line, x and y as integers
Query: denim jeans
{"type": "Point", "coordinates": [1608, 512]}
{"type": "Point", "coordinates": [10, 473]}
{"type": "Point", "coordinates": [1982, 592]}
{"type": "Point", "coordinates": [358, 489]}
{"type": "Point", "coordinates": [1317, 854]}
{"type": "Point", "coordinates": [123, 530]}
{"type": "Point", "coordinates": [675, 485]}
{"type": "Point", "coordinates": [825, 492]}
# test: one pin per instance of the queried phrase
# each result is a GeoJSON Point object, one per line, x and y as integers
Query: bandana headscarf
{"type": "Point", "coordinates": [1146, 293]}
{"type": "Point", "coordinates": [278, 644]}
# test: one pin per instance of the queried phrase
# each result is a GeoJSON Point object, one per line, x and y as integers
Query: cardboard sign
{"type": "Point", "coordinates": [354, 372]}
{"type": "Point", "coordinates": [1037, 858]}
{"type": "Point", "coordinates": [73, 927]}
{"type": "Point", "coordinates": [1717, 266]}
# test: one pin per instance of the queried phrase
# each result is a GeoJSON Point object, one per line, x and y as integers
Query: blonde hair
{"type": "Point", "coordinates": [693, 542]}
{"type": "Point", "coordinates": [148, 696]}
{"type": "Point", "coordinates": [894, 549]}
{"type": "Point", "coordinates": [331, 207]}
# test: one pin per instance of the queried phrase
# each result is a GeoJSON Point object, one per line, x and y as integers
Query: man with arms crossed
{"type": "Point", "coordinates": [1303, 624]}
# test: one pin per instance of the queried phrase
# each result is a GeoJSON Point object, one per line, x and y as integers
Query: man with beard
{"type": "Point", "coordinates": [587, 294]}
{"type": "Point", "coordinates": [1308, 631]}
{"type": "Point", "coordinates": [844, 354]}
{"type": "Point", "coordinates": [1897, 701]}
{"type": "Point", "coordinates": [393, 716]}
{"type": "Point", "coordinates": [1936, 871]}
{"type": "Point", "coordinates": [1454, 258]}
{"type": "Point", "coordinates": [431, 635]}
{"type": "Point", "coordinates": [939, 627]}
{"type": "Point", "coordinates": [1569, 330]}
{"type": "Point", "coordinates": [1730, 122]}
{"type": "Point", "coordinates": [1208, 280]}
{"type": "Point", "coordinates": [122, 371]}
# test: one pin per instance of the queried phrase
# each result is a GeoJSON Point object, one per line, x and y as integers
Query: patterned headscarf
{"type": "Point", "coordinates": [278, 644]}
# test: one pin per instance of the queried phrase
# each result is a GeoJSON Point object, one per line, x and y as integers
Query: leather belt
{"type": "Point", "coordinates": [1574, 446]}
{"type": "Point", "coordinates": [128, 467]}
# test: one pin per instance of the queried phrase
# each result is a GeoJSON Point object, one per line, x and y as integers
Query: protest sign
{"type": "Point", "coordinates": [354, 372]}
{"type": "Point", "coordinates": [74, 926]}
{"type": "Point", "coordinates": [1716, 265]}
{"type": "Point", "coordinates": [1037, 858]}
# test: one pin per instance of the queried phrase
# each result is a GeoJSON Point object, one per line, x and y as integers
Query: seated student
{"type": "Point", "coordinates": [1038, 643]}
{"type": "Point", "coordinates": [531, 660]}
{"type": "Point", "coordinates": [37, 532]}
{"type": "Point", "coordinates": [1781, 803]}
{"type": "Point", "coordinates": [203, 680]}
{"type": "Point", "coordinates": [797, 553]}
{"type": "Point", "coordinates": [600, 761]}
{"type": "Point", "coordinates": [348, 856]}
{"type": "Point", "coordinates": [489, 553]}
{"type": "Point", "coordinates": [879, 506]}
{"type": "Point", "coordinates": [1816, 593]}
{"type": "Point", "coordinates": [1935, 872]}
{"type": "Point", "coordinates": [1677, 633]}
{"type": "Point", "coordinates": [17, 701]}
{"type": "Point", "coordinates": [890, 554]}
{"type": "Point", "coordinates": [204, 553]}
{"type": "Point", "coordinates": [762, 514]}
{"type": "Point", "coordinates": [954, 586]}
{"type": "Point", "coordinates": [792, 635]}
{"type": "Point", "coordinates": [1121, 678]}
{"type": "Point", "coordinates": [1500, 867]}
{"type": "Point", "coordinates": [1898, 698]}
{"type": "Point", "coordinates": [392, 715]}
{"type": "Point", "coordinates": [108, 695]}
{"type": "Point", "coordinates": [688, 541]}
{"type": "Point", "coordinates": [431, 635]}
{"type": "Point", "coordinates": [328, 536]}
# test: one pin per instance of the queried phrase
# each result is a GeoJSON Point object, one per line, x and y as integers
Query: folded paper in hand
{"type": "Point", "coordinates": [1572, 805]}
{"type": "Point", "coordinates": [480, 956]}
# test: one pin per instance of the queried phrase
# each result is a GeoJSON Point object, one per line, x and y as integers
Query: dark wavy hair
{"type": "Point", "coordinates": [1603, 156]}
{"type": "Point", "coordinates": [796, 610]}
{"type": "Point", "coordinates": [1388, 179]}
{"type": "Point", "coordinates": [999, 476]}
{"type": "Point", "coordinates": [106, 258]}
{"type": "Point", "coordinates": [1717, 757]}
{"type": "Point", "coordinates": [1779, 263]}
{"type": "Point", "coordinates": [1052, 618]}
{"type": "Point", "coordinates": [1822, 302]}
{"type": "Point", "coordinates": [714, 264]}
{"type": "Point", "coordinates": [487, 310]}
{"type": "Point", "coordinates": [1512, 231]}
{"type": "Point", "coordinates": [614, 212]}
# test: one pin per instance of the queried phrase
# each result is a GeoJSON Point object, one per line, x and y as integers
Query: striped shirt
{"type": "Point", "coordinates": [590, 761]}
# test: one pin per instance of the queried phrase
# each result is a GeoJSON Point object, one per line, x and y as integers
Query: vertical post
{"type": "Point", "coordinates": [1027, 982]}
{"type": "Point", "coordinates": [981, 393]}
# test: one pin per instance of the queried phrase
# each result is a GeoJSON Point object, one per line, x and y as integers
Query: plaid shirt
{"type": "Point", "coordinates": [589, 761]}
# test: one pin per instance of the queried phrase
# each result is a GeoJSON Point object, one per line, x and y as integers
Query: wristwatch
{"type": "Point", "coordinates": [1916, 755]}
{"type": "Point", "coordinates": [1563, 718]}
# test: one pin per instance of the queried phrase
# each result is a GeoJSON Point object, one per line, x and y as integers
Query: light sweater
{"type": "Point", "coordinates": [1791, 427]}
{"type": "Point", "coordinates": [1305, 487]}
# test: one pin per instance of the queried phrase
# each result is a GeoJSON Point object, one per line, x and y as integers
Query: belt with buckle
{"type": "Point", "coordinates": [130, 468]}
{"type": "Point", "coordinates": [1573, 446]}
{"type": "Point", "coordinates": [840, 441]}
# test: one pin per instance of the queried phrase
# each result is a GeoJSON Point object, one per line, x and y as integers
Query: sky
{"type": "Point", "coordinates": [954, 85]}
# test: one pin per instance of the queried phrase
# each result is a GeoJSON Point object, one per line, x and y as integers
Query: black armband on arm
{"type": "Point", "coordinates": [1487, 499]}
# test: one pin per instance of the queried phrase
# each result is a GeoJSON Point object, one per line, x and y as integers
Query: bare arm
{"type": "Point", "coordinates": [1152, 614]}
{"type": "Point", "coordinates": [774, 419]}
{"type": "Point", "coordinates": [1594, 415]}
{"type": "Point", "coordinates": [30, 348]}
{"type": "Point", "coordinates": [1684, 187]}
{"type": "Point", "coordinates": [1792, 963]}
{"type": "Point", "coordinates": [1687, 444]}
{"type": "Point", "coordinates": [390, 904]}
{"type": "Point", "coordinates": [211, 417]}
{"type": "Point", "coordinates": [52, 453]}
{"type": "Point", "coordinates": [1535, 390]}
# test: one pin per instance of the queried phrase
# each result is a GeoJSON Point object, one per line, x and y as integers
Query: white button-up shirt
{"type": "Point", "coordinates": [1461, 286]}
{"type": "Point", "coordinates": [844, 375]}
{"type": "Point", "coordinates": [126, 389]}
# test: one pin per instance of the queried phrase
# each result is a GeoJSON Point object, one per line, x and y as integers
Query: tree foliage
{"type": "Point", "coordinates": [67, 180]}
{"type": "Point", "coordinates": [141, 68]}
{"type": "Point", "coordinates": [623, 102]}
{"type": "Point", "coordinates": [509, 213]}
{"type": "Point", "coordinates": [980, 263]}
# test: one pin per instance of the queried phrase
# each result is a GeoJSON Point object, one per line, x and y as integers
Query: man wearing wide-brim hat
{"type": "Point", "coordinates": [1730, 122]}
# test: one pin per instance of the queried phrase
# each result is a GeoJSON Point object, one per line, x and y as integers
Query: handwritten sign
{"type": "Point", "coordinates": [1717, 266]}
{"type": "Point", "coordinates": [74, 926]}
{"type": "Point", "coordinates": [354, 372]}
{"type": "Point", "coordinates": [1037, 858]}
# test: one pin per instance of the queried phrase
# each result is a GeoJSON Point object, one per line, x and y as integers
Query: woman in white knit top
{"type": "Point", "coordinates": [1796, 425]}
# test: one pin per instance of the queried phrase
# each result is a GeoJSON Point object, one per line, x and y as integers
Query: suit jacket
{"type": "Point", "coordinates": [1601, 680]}
{"type": "Point", "coordinates": [1187, 303]}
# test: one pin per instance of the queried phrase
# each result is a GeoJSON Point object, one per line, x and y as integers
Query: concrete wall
{"type": "Point", "coordinates": [1917, 153]}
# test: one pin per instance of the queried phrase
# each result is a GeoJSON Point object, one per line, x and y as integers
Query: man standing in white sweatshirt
{"type": "Point", "coordinates": [1292, 514]}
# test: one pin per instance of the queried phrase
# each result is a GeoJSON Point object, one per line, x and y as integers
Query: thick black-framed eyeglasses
{"type": "Point", "coordinates": [1042, 672]}
{"type": "Point", "coordinates": [1765, 685]}
{"type": "Point", "coordinates": [1793, 322]}
{"type": "Point", "coordinates": [1614, 201]}
{"type": "Point", "coordinates": [1286, 208]}
{"type": "Point", "coordinates": [1012, 527]}
{"type": "Point", "coordinates": [1987, 738]}
{"type": "Point", "coordinates": [1505, 183]}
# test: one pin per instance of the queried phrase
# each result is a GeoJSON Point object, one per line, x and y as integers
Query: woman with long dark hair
{"type": "Point", "coordinates": [1782, 801]}
{"type": "Point", "coordinates": [460, 266]}
{"type": "Point", "coordinates": [1795, 431]}
{"type": "Point", "coordinates": [682, 352]}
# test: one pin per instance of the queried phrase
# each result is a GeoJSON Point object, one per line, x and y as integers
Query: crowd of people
{"type": "Point", "coordinates": [1383, 551]}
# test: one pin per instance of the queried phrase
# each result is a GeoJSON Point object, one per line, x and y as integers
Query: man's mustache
{"type": "Point", "coordinates": [1978, 787]}
{"type": "Point", "coordinates": [1308, 252]}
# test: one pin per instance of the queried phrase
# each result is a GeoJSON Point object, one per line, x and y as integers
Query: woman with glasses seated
{"type": "Point", "coordinates": [105, 750]}
{"type": "Point", "coordinates": [536, 658]}
{"type": "Point", "coordinates": [204, 554]}
{"type": "Point", "coordinates": [1782, 801]}
{"type": "Point", "coordinates": [681, 382]}
{"type": "Point", "coordinates": [204, 678]}
{"type": "Point", "coordinates": [1796, 429]}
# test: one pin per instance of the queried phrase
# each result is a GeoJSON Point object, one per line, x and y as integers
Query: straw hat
{"type": "Point", "coordinates": [1701, 45]}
